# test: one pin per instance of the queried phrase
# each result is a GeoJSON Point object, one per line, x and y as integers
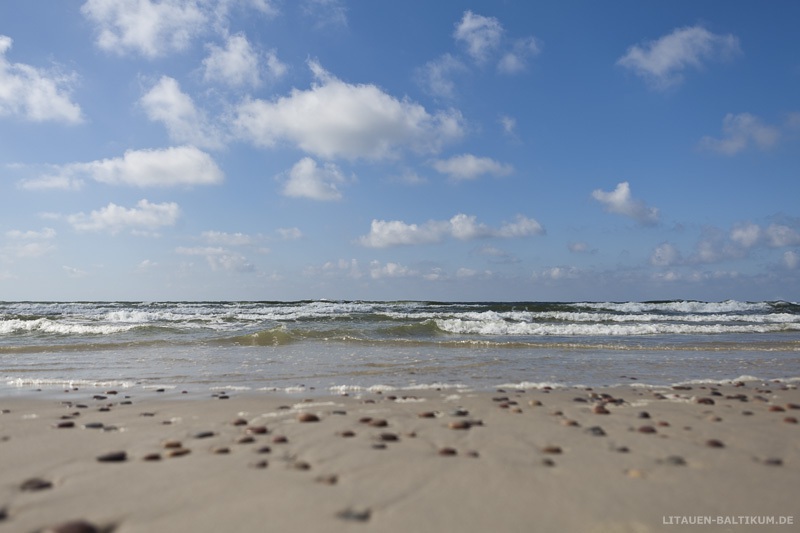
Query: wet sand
{"type": "Point", "coordinates": [623, 459]}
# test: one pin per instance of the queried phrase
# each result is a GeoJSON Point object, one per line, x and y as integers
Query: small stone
{"type": "Point", "coordinates": [347, 434]}
{"type": "Point", "coordinates": [307, 417]}
{"type": "Point", "coordinates": [204, 435]}
{"type": "Point", "coordinates": [596, 431]}
{"type": "Point", "coordinates": [388, 437]}
{"type": "Point", "coordinates": [221, 450]}
{"type": "Point", "coordinates": [260, 464]}
{"type": "Point", "coordinates": [793, 406]}
{"type": "Point", "coordinates": [74, 526]}
{"type": "Point", "coordinates": [152, 457]}
{"type": "Point", "coordinates": [379, 446]}
{"type": "Point", "coordinates": [379, 423]}
{"type": "Point", "coordinates": [644, 414]}
{"type": "Point", "coordinates": [675, 460]}
{"type": "Point", "coordinates": [552, 450]}
{"type": "Point", "coordinates": [301, 465]}
{"type": "Point", "coordinates": [622, 449]}
{"type": "Point", "coordinates": [790, 420]}
{"type": "Point", "coordinates": [178, 452]}
{"type": "Point", "coordinates": [447, 451]}
{"type": "Point", "coordinates": [569, 422]}
{"type": "Point", "coordinates": [704, 401]}
{"type": "Point", "coordinates": [365, 420]}
{"type": "Point", "coordinates": [535, 403]}
{"type": "Point", "coordinates": [634, 473]}
{"type": "Point", "coordinates": [264, 449]}
{"type": "Point", "coordinates": [239, 422]}
{"type": "Point", "coordinates": [663, 423]}
{"type": "Point", "coordinates": [460, 412]}
{"type": "Point", "coordinates": [776, 409]}
{"type": "Point", "coordinates": [647, 429]}
{"type": "Point", "coordinates": [547, 462]}
{"type": "Point", "coordinates": [279, 439]}
{"type": "Point", "coordinates": [330, 479]}
{"type": "Point", "coordinates": [65, 424]}
{"type": "Point", "coordinates": [354, 516]}
{"type": "Point", "coordinates": [245, 439]}
{"type": "Point", "coordinates": [600, 410]}
{"type": "Point", "coordinates": [459, 424]}
{"type": "Point", "coordinates": [93, 425]}
{"type": "Point", "coordinates": [113, 457]}
{"type": "Point", "coordinates": [34, 484]}
{"type": "Point", "coordinates": [773, 461]}
{"type": "Point", "coordinates": [98, 397]}
{"type": "Point", "coordinates": [171, 444]}
{"type": "Point", "coordinates": [473, 453]}
{"type": "Point", "coordinates": [257, 430]}
{"type": "Point", "coordinates": [427, 414]}
{"type": "Point", "coordinates": [714, 443]}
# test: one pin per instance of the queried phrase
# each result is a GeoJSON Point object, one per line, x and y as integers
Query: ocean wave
{"type": "Point", "coordinates": [44, 325]}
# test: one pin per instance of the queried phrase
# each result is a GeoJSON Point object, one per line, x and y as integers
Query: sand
{"type": "Point", "coordinates": [623, 459]}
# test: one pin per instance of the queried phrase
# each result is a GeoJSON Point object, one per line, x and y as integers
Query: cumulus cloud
{"type": "Point", "coordinates": [306, 179]}
{"type": "Point", "coordinates": [621, 202]}
{"type": "Point", "coordinates": [436, 76]}
{"type": "Point", "coordinates": [166, 103]}
{"type": "Point", "coordinates": [385, 233]}
{"type": "Point", "coordinates": [666, 254]}
{"type": "Point", "coordinates": [237, 64]}
{"type": "Point", "coordinates": [169, 167]}
{"type": "Point", "coordinates": [227, 239]}
{"type": "Point", "coordinates": [28, 244]}
{"type": "Point", "coordinates": [470, 167]}
{"type": "Point", "coordinates": [326, 12]}
{"type": "Point", "coordinates": [663, 61]}
{"type": "Point", "coordinates": [35, 94]}
{"type": "Point", "coordinates": [219, 259]}
{"type": "Point", "coordinates": [150, 28]}
{"type": "Point", "coordinates": [114, 218]}
{"type": "Point", "coordinates": [516, 60]}
{"type": "Point", "coordinates": [335, 119]}
{"type": "Point", "coordinates": [739, 132]}
{"type": "Point", "coordinates": [390, 270]}
{"type": "Point", "coordinates": [46, 233]}
{"type": "Point", "coordinates": [481, 35]}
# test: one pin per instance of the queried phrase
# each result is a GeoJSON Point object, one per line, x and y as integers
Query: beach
{"type": "Point", "coordinates": [629, 458]}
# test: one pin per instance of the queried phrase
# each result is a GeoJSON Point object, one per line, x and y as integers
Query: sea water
{"type": "Point", "coordinates": [339, 346]}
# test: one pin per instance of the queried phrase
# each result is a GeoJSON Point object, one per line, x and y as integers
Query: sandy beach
{"type": "Point", "coordinates": [623, 459]}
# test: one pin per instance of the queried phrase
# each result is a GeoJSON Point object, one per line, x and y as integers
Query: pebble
{"type": "Point", "coordinates": [551, 449]}
{"type": "Point", "coordinates": [388, 437]}
{"type": "Point", "coordinates": [644, 414]}
{"type": "Point", "coordinates": [597, 431]}
{"type": "Point", "coordinates": [239, 422]}
{"type": "Point", "coordinates": [179, 452]}
{"type": "Point", "coordinates": [427, 414]}
{"type": "Point", "coordinates": [221, 450]}
{"type": "Point", "coordinates": [260, 464]}
{"type": "Point", "coordinates": [569, 422]}
{"type": "Point", "coordinates": [74, 526]}
{"type": "Point", "coordinates": [790, 420]}
{"type": "Point", "coordinates": [675, 460]}
{"type": "Point", "coordinates": [793, 406]}
{"type": "Point", "coordinates": [714, 443]}
{"type": "Point", "coordinates": [264, 449]}
{"type": "Point", "coordinates": [204, 435]}
{"type": "Point", "coordinates": [245, 439]}
{"type": "Point", "coordinates": [776, 409]}
{"type": "Point", "coordinates": [378, 423]}
{"type": "Point", "coordinates": [301, 465]}
{"type": "Point", "coordinates": [460, 412]}
{"type": "Point", "coordinates": [93, 425]}
{"type": "Point", "coordinates": [257, 430]}
{"type": "Point", "coordinates": [65, 424]}
{"type": "Point", "coordinates": [354, 516]}
{"type": "Point", "coordinates": [548, 462]}
{"type": "Point", "coordinates": [704, 401]}
{"type": "Point", "coordinates": [647, 429]}
{"type": "Point", "coordinates": [307, 417]}
{"type": "Point", "coordinates": [35, 484]}
{"type": "Point", "coordinates": [113, 457]}
{"type": "Point", "coordinates": [347, 434]}
{"type": "Point", "coordinates": [460, 424]}
{"type": "Point", "coordinates": [173, 444]}
{"type": "Point", "coordinates": [279, 439]}
{"type": "Point", "coordinates": [773, 461]}
{"type": "Point", "coordinates": [535, 403]}
{"type": "Point", "coordinates": [447, 451]}
{"type": "Point", "coordinates": [152, 457]}
{"type": "Point", "coordinates": [331, 479]}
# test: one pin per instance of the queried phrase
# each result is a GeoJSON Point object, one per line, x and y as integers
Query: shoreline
{"type": "Point", "coordinates": [625, 458]}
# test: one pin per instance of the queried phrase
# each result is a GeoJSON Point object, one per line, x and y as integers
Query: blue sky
{"type": "Point", "coordinates": [483, 150]}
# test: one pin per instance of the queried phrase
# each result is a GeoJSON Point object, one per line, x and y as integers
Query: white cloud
{"type": "Point", "coordinates": [62, 180]}
{"type": "Point", "coordinates": [480, 34]}
{"type": "Point", "coordinates": [289, 234]}
{"type": "Point", "coordinates": [739, 131]}
{"type": "Point", "coordinates": [621, 202]}
{"type": "Point", "coordinates": [46, 233]}
{"type": "Point", "coordinates": [509, 124]}
{"type": "Point", "coordinates": [666, 254]}
{"type": "Point", "coordinates": [227, 239]}
{"type": "Point", "coordinates": [326, 12]}
{"type": "Point", "coordinates": [746, 235]}
{"type": "Point", "coordinates": [463, 227]}
{"type": "Point", "coordinates": [436, 76]}
{"type": "Point", "coordinates": [557, 273]}
{"type": "Point", "coordinates": [237, 64]}
{"type": "Point", "coordinates": [114, 218]}
{"type": "Point", "coordinates": [779, 235]}
{"type": "Point", "coordinates": [150, 28]}
{"type": "Point", "coordinates": [169, 167]}
{"type": "Point", "coordinates": [166, 103]}
{"type": "Point", "coordinates": [791, 260]}
{"type": "Point", "coordinates": [469, 167]}
{"type": "Point", "coordinates": [35, 94]}
{"type": "Point", "coordinates": [336, 119]}
{"type": "Point", "coordinates": [308, 180]}
{"type": "Point", "coordinates": [662, 62]}
{"type": "Point", "coordinates": [516, 60]}
{"type": "Point", "coordinates": [390, 270]}
{"type": "Point", "coordinates": [219, 259]}
{"type": "Point", "coordinates": [578, 247]}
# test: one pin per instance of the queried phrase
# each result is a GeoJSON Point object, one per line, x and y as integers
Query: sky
{"type": "Point", "coordinates": [382, 150]}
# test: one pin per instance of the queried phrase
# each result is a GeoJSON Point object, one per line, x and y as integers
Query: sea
{"type": "Point", "coordinates": [324, 347]}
